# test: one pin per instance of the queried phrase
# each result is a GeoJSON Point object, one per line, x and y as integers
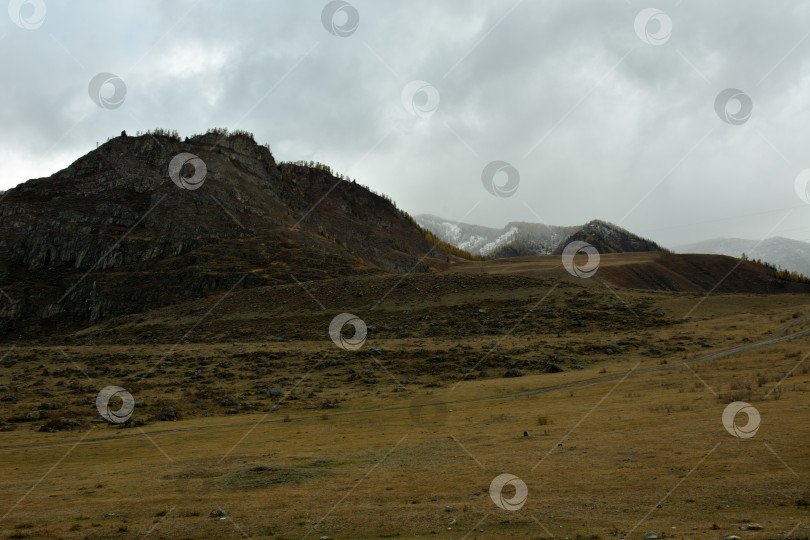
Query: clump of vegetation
{"type": "Point", "coordinates": [160, 132]}
{"type": "Point", "coordinates": [315, 165]}
{"type": "Point", "coordinates": [780, 273]}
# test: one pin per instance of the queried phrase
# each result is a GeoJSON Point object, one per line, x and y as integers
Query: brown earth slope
{"type": "Point", "coordinates": [661, 271]}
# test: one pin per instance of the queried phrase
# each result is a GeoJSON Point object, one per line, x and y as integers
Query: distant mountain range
{"type": "Point", "coordinates": [792, 255]}
{"type": "Point", "coordinates": [519, 238]}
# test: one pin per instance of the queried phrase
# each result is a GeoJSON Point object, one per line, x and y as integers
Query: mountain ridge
{"type": "Point", "coordinates": [519, 238]}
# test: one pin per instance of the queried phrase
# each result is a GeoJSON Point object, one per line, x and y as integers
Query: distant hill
{"type": "Point", "coordinates": [521, 239]}
{"type": "Point", "coordinates": [792, 255]}
{"type": "Point", "coordinates": [655, 270]}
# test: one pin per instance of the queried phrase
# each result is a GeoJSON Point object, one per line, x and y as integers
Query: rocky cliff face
{"type": "Point", "coordinates": [114, 234]}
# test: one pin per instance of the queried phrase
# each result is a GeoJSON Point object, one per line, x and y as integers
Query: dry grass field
{"type": "Point", "coordinates": [606, 402]}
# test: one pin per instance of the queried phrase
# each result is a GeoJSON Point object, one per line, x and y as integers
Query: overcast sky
{"type": "Point", "coordinates": [604, 109]}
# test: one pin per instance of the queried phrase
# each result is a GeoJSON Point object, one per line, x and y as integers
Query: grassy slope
{"type": "Point", "coordinates": [375, 467]}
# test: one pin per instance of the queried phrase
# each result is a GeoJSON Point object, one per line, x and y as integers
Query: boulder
{"type": "Point", "coordinates": [168, 414]}
{"type": "Point", "coordinates": [217, 513]}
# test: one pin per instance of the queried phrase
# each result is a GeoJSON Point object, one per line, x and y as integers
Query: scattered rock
{"type": "Point", "coordinates": [218, 513]}
{"type": "Point", "coordinates": [50, 406]}
{"type": "Point", "coordinates": [513, 372]}
{"type": "Point", "coordinates": [168, 414]}
{"type": "Point", "coordinates": [550, 367]}
{"type": "Point", "coordinates": [59, 424]}
{"type": "Point", "coordinates": [35, 415]}
{"type": "Point", "coordinates": [449, 509]}
{"type": "Point", "coordinates": [650, 536]}
{"type": "Point", "coordinates": [658, 312]}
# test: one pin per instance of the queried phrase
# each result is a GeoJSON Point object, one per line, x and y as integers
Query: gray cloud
{"type": "Point", "coordinates": [599, 123]}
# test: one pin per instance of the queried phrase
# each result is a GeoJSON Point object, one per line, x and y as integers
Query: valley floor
{"type": "Point", "coordinates": [614, 425]}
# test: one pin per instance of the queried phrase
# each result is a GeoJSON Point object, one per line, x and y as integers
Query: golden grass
{"type": "Point", "coordinates": [598, 457]}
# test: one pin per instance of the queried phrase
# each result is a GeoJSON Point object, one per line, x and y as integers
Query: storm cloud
{"type": "Point", "coordinates": [606, 110]}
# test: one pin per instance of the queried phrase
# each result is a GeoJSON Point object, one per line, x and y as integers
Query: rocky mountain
{"type": "Point", "coordinates": [131, 226]}
{"type": "Point", "coordinates": [528, 238]}
{"type": "Point", "coordinates": [792, 255]}
{"type": "Point", "coordinates": [609, 238]}
{"type": "Point", "coordinates": [519, 239]}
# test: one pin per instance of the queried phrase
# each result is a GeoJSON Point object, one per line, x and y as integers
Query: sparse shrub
{"type": "Point", "coordinates": [542, 420]}
{"type": "Point", "coordinates": [160, 132]}
{"type": "Point", "coordinates": [739, 385]}
{"type": "Point", "coordinates": [735, 395]}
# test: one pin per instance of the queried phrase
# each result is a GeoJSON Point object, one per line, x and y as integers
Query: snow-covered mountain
{"type": "Point", "coordinates": [792, 255]}
{"type": "Point", "coordinates": [486, 241]}
{"type": "Point", "coordinates": [521, 238]}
